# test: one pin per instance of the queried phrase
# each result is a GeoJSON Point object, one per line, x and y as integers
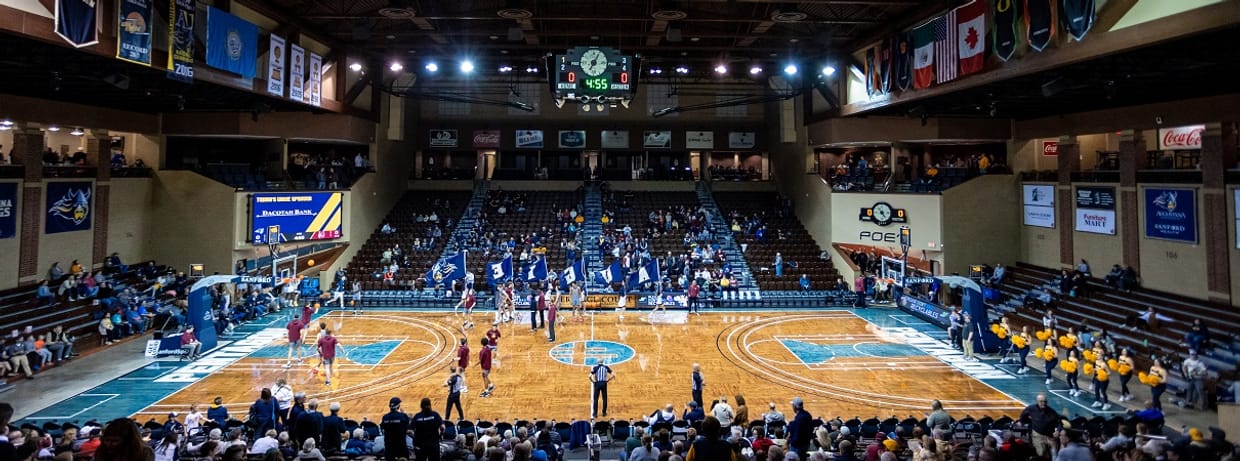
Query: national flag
{"type": "Point", "coordinates": [946, 48]}
{"type": "Point", "coordinates": [447, 269]}
{"type": "Point", "coordinates": [573, 273]}
{"type": "Point", "coordinates": [971, 33]}
{"type": "Point", "coordinates": [1040, 23]}
{"type": "Point", "coordinates": [902, 61]}
{"type": "Point", "coordinates": [649, 272]}
{"type": "Point", "coordinates": [1005, 29]}
{"type": "Point", "coordinates": [536, 271]}
{"type": "Point", "coordinates": [610, 274]}
{"type": "Point", "coordinates": [1078, 17]}
{"type": "Point", "coordinates": [500, 271]}
{"type": "Point", "coordinates": [923, 55]}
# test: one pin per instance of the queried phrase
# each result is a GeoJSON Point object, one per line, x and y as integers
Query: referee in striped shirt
{"type": "Point", "coordinates": [600, 375]}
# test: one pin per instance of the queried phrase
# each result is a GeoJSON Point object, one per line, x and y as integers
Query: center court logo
{"type": "Point", "coordinates": [590, 353]}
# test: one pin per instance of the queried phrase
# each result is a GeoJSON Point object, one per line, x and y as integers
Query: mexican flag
{"type": "Point", "coordinates": [923, 55]}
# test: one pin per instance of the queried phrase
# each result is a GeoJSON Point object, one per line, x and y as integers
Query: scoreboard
{"type": "Point", "coordinates": [594, 73]}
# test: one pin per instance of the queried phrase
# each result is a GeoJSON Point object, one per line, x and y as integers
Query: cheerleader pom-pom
{"type": "Point", "coordinates": [1089, 369]}
{"type": "Point", "coordinates": [1113, 364]}
{"type": "Point", "coordinates": [1124, 369]}
{"type": "Point", "coordinates": [1143, 378]}
{"type": "Point", "coordinates": [1044, 335]}
{"type": "Point", "coordinates": [1038, 353]}
{"type": "Point", "coordinates": [1089, 356]}
{"type": "Point", "coordinates": [1066, 342]}
{"type": "Point", "coordinates": [994, 328]}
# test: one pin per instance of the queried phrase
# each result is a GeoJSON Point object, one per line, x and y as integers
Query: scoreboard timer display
{"type": "Point", "coordinates": [594, 72]}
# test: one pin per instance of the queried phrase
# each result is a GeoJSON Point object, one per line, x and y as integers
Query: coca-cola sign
{"type": "Point", "coordinates": [1181, 138]}
{"type": "Point", "coordinates": [486, 138]}
{"type": "Point", "coordinates": [1050, 148]}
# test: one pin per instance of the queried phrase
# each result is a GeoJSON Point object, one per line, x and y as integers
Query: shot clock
{"type": "Point", "coordinates": [597, 73]}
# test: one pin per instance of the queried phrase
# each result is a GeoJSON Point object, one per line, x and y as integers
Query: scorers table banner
{"type": "Point", "coordinates": [292, 217]}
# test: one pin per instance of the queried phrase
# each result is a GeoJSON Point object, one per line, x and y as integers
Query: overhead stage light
{"type": "Point", "coordinates": [790, 69]}
{"type": "Point", "coordinates": [505, 69]}
{"type": "Point", "coordinates": [432, 67]}
{"type": "Point", "coordinates": [467, 66]}
{"type": "Point", "coordinates": [721, 69]}
{"type": "Point", "coordinates": [755, 70]}
{"type": "Point", "coordinates": [355, 67]}
{"type": "Point", "coordinates": [396, 66]}
{"type": "Point", "coordinates": [828, 70]}
{"type": "Point", "coordinates": [77, 132]}
{"type": "Point", "coordinates": [682, 70]}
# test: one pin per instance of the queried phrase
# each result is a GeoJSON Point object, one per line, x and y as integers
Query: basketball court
{"type": "Point", "coordinates": [843, 363]}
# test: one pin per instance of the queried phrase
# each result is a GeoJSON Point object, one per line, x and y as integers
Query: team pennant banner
{"type": "Point", "coordinates": [181, 40]}
{"type": "Point", "coordinates": [133, 31]}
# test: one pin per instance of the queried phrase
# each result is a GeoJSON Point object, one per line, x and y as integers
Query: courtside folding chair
{"type": "Point", "coordinates": [603, 429]}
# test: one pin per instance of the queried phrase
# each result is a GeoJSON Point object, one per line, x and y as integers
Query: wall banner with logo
{"type": "Point", "coordinates": [529, 139]}
{"type": "Point", "coordinates": [615, 139]}
{"type": "Point", "coordinates": [1181, 137]}
{"type": "Point", "coordinates": [232, 43]}
{"type": "Point", "coordinates": [275, 66]}
{"type": "Point", "coordinates": [443, 138]}
{"type": "Point", "coordinates": [1171, 214]}
{"type": "Point", "coordinates": [657, 140]}
{"type": "Point", "coordinates": [486, 138]}
{"type": "Point", "coordinates": [572, 139]}
{"type": "Point", "coordinates": [297, 71]}
{"type": "Point", "coordinates": [1095, 210]}
{"type": "Point", "coordinates": [75, 22]}
{"type": "Point", "coordinates": [1050, 147]}
{"type": "Point", "coordinates": [699, 139]}
{"type": "Point", "coordinates": [8, 210]}
{"type": "Point", "coordinates": [316, 80]}
{"type": "Point", "coordinates": [69, 206]}
{"type": "Point", "coordinates": [1039, 205]}
{"type": "Point", "coordinates": [742, 140]}
{"type": "Point", "coordinates": [181, 40]}
{"type": "Point", "coordinates": [133, 31]}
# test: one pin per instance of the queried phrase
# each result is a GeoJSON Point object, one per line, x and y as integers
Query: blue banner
{"type": "Point", "coordinates": [447, 270]}
{"type": "Point", "coordinates": [1171, 214]}
{"type": "Point", "coordinates": [646, 274]}
{"type": "Point", "coordinates": [232, 43]}
{"type": "Point", "coordinates": [69, 206]}
{"type": "Point", "coordinates": [613, 273]}
{"type": "Point", "coordinates": [8, 210]}
{"type": "Point", "coordinates": [500, 271]}
{"type": "Point", "coordinates": [75, 22]}
{"type": "Point", "coordinates": [574, 273]}
{"type": "Point", "coordinates": [133, 31]}
{"type": "Point", "coordinates": [181, 40]}
{"type": "Point", "coordinates": [928, 311]}
{"type": "Point", "coordinates": [294, 217]}
{"type": "Point", "coordinates": [536, 271]}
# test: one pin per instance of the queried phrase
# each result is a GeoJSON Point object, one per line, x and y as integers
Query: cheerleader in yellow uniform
{"type": "Point", "coordinates": [1123, 366]}
{"type": "Point", "coordinates": [1101, 381]}
{"type": "Point", "coordinates": [1071, 366]}
{"type": "Point", "coordinates": [1003, 331]}
{"type": "Point", "coordinates": [1156, 379]}
{"type": "Point", "coordinates": [1050, 354]}
{"type": "Point", "coordinates": [1021, 342]}
{"type": "Point", "coordinates": [1068, 341]}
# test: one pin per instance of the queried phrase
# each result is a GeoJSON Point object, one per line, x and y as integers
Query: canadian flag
{"type": "Point", "coordinates": [971, 27]}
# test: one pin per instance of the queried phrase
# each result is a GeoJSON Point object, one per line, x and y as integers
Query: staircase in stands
{"type": "Point", "coordinates": [469, 217]}
{"type": "Point", "coordinates": [592, 230]}
{"type": "Point", "coordinates": [723, 234]}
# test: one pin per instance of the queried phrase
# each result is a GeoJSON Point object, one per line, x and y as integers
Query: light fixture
{"type": "Point", "coordinates": [77, 132]}
{"type": "Point", "coordinates": [390, 37]}
{"type": "Point", "coordinates": [6, 127]}
{"type": "Point", "coordinates": [721, 69]}
{"type": "Point", "coordinates": [682, 70]}
{"type": "Point", "coordinates": [695, 39]}
{"type": "Point", "coordinates": [396, 66]}
{"type": "Point", "coordinates": [505, 69]}
{"type": "Point", "coordinates": [828, 70]}
{"type": "Point", "coordinates": [531, 70]}
{"type": "Point", "coordinates": [6, 122]}
{"type": "Point", "coordinates": [53, 128]}
{"type": "Point", "coordinates": [594, 37]}
{"type": "Point", "coordinates": [355, 67]}
{"type": "Point", "coordinates": [432, 67]}
{"type": "Point", "coordinates": [467, 66]}
{"type": "Point", "coordinates": [656, 70]}
{"type": "Point", "coordinates": [493, 37]}
{"type": "Point", "coordinates": [755, 70]}
{"type": "Point", "coordinates": [790, 69]}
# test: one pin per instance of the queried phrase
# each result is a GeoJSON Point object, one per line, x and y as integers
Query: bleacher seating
{"type": "Point", "coordinates": [539, 215]}
{"type": "Point", "coordinates": [366, 262]}
{"type": "Point", "coordinates": [1106, 308]}
{"type": "Point", "coordinates": [797, 246]}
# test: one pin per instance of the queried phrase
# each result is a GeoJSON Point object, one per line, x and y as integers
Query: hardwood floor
{"type": "Point", "coordinates": [838, 363]}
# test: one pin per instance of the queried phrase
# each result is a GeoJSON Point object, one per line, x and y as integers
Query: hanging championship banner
{"type": "Point", "coordinates": [181, 40]}
{"type": "Point", "coordinates": [871, 73]}
{"type": "Point", "coordinates": [1039, 23]}
{"type": "Point", "coordinates": [1078, 17]}
{"type": "Point", "coordinates": [297, 71]}
{"type": "Point", "coordinates": [75, 22]}
{"type": "Point", "coordinates": [133, 31]}
{"type": "Point", "coordinates": [884, 66]}
{"type": "Point", "coordinates": [232, 43]}
{"type": "Point", "coordinates": [275, 66]}
{"type": "Point", "coordinates": [316, 79]}
{"type": "Point", "coordinates": [902, 61]}
{"type": "Point", "coordinates": [1005, 29]}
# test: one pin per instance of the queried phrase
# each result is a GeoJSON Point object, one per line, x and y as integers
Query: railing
{"type": "Point", "coordinates": [12, 171]}
{"type": "Point", "coordinates": [70, 171]}
{"type": "Point", "coordinates": [1095, 176]}
{"type": "Point", "coordinates": [1169, 176]}
{"type": "Point", "coordinates": [1039, 176]}
{"type": "Point", "coordinates": [131, 172]}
